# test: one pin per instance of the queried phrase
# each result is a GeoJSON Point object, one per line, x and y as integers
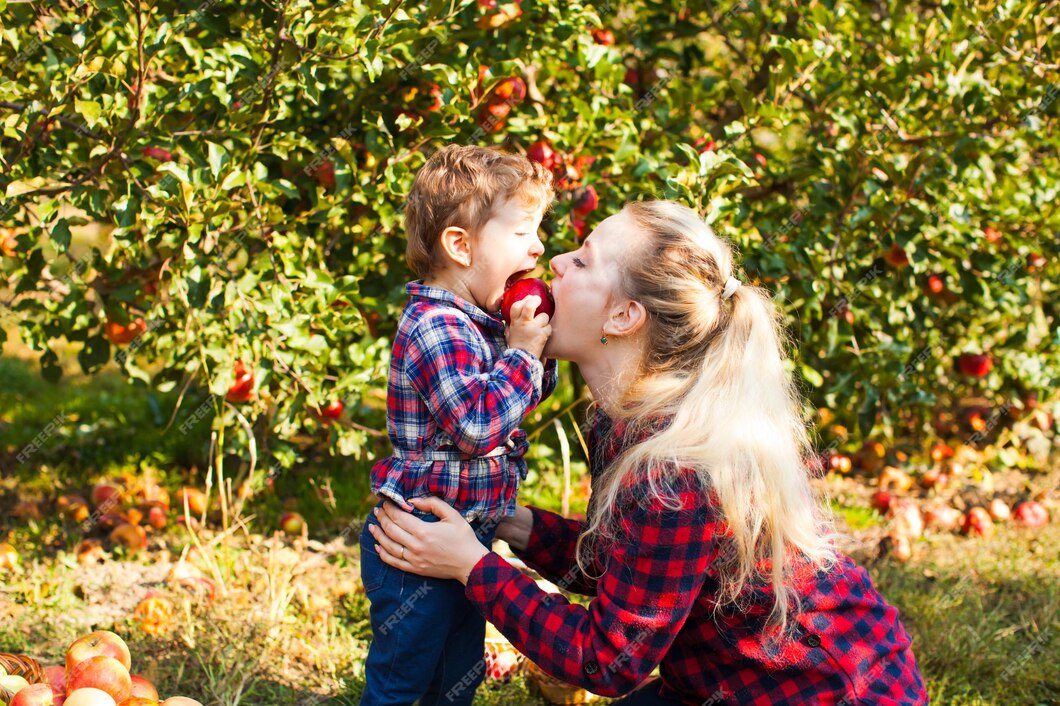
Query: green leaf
{"type": "Point", "coordinates": [89, 110]}
{"type": "Point", "coordinates": [218, 157]}
{"type": "Point", "coordinates": [60, 235]}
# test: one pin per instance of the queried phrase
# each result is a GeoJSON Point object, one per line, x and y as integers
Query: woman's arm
{"type": "Point", "coordinates": [547, 542]}
{"type": "Point", "coordinates": [652, 581]}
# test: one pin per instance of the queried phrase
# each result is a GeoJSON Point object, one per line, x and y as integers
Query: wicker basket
{"type": "Point", "coordinates": [22, 666]}
{"type": "Point", "coordinates": [555, 691]}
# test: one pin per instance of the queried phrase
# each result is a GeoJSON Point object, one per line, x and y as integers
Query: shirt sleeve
{"type": "Point", "coordinates": [550, 551]}
{"type": "Point", "coordinates": [478, 406]}
{"type": "Point", "coordinates": [550, 378]}
{"type": "Point", "coordinates": [653, 577]}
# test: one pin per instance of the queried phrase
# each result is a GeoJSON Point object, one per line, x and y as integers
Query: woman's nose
{"type": "Point", "coordinates": [555, 264]}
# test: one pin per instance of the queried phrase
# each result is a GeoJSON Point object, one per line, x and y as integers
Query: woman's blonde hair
{"type": "Point", "coordinates": [716, 368]}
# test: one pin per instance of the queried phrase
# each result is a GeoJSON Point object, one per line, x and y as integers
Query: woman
{"type": "Point", "coordinates": [705, 547]}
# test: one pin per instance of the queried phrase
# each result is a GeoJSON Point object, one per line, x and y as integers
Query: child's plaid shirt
{"type": "Point", "coordinates": [455, 398]}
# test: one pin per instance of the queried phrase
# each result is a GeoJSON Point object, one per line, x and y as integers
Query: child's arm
{"type": "Point", "coordinates": [478, 409]}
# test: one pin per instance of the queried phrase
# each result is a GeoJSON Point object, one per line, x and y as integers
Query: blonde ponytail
{"type": "Point", "coordinates": [716, 367]}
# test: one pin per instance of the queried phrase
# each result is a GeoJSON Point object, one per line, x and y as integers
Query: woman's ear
{"type": "Point", "coordinates": [626, 319]}
{"type": "Point", "coordinates": [456, 244]}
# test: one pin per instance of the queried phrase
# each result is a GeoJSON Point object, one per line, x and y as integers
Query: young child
{"type": "Point", "coordinates": [459, 387]}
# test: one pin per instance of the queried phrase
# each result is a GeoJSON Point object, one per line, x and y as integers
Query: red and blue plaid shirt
{"type": "Point", "coordinates": [656, 604]}
{"type": "Point", "coordinates": [456, 396]}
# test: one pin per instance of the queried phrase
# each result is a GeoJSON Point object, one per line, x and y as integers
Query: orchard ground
{"type": "Point", "coordinates": [288, 621]}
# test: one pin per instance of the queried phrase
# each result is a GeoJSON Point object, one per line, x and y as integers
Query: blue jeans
{"type": "Point", "coordinates": [428, 640]}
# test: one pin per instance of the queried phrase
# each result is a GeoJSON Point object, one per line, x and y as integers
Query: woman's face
{"type": "Point", "coordinates": [585, 286]}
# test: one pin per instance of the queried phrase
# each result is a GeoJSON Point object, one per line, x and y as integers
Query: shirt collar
{"type": "Point", "coordinates": [418, 290]}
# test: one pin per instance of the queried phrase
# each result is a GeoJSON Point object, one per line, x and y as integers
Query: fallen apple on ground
{"type": "Point", "coordinates": [103, 673]}
{"type": "Point", "coordinates": [89, 697]}
{"type": "Point", "coordinates": [1031, 514]}
{"type": "Point", "coordinates": [977, 522]}
{"type": "Point", "coordinates": [942, 517]}
{"type": "Point", "coordinates": [292, 523]}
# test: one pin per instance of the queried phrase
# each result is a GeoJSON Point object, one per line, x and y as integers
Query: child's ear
{"type": "Point", "coordinates": [456, 243]}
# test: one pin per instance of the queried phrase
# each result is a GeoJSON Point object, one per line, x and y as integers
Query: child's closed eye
{"type": "Point", "coordinates": [578, 263]}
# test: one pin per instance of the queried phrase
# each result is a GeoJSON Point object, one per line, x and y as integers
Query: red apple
{"type": "Point", "coordinates": [704, 144]}
{"type": "Point", "coordinates": [580, 227]}
{"type": "Point", "coordinates": [123, 334]}
{"type": "Point", "coordinates": [840, 463]}
{"type": "Point", "coordinates": [999, 510]}
{"type": "Point", "coordinates": [975, 365]}
{"type": "Point", "coordinates": [934, 478]}
{"type": "Point", "coordinates": [760, 158]}
{"type": "Point", "coordinates": [523, 288]}
{"type": "Point", "coordinates": [196, 500]}
{"type": "Point", "coordinates": [977, 522]}
{"type": "Point", "coordinates": [992, 235]}
{"type": "Point", "coordinates": [941, 451]}
{"type": "Point", "coordinates": [586, 201]}
{"type": "Point", "coordinates": [103, 673]}
{"type": "Point", "coordinates": [156, 517]}
{"type": "Point", "coordinates": [1031, 514]}
{"type": "Point", "coordinates": [162, 155]}
{"type": "Point", "coordinates": [501, 665]}
{"type": "Point", "coordinates": [936, 284]}
{"type": "Point", "coordinates": [604, 37]}
{"type": "Point", "coordinates": [34, 695]}
{"type": "Point", "coordinates": [106, 494]}
{"type": "Point", "coordinates": [243, 387]}
{"type": "Point", "coordinates": [543, 153]}
{"type": "Point", "coordinates": [881, 500]}
{"type": "Point", "coordinates": [332, 410]}
{"type": "Point", "coordinates": [132, 537]}
{"type": "Point", "coordinates": [56, 676]}
{"type": "Point", "coordinates": [180, 701]}
{"type": "Point", "coordinates": [942, 517]}
{"type": "Point", "coordinates": [292, 523]}
{"type": "Point", "coordinates": [8, 557]}
{"type": "Point", "coordinates": [143, 688]}
{"type": "Point", "coordinates": [1035, 261]}
{"type": "Point", "coordinates": [907, 519]}
{"type": "Point", "coordinates": [89, 697]}
{"type": "Point", "coordinates": [325, 174]}
{"type": "Point", "coordinates": [511, 90]}
{"type": "Point", "coordinates": [100, 643]}
{"type": "Point", "coordinates": [896, 256]}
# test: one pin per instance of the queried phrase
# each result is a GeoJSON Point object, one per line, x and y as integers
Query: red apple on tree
{"type": "Point", "coordinates": [604, 37]}
{"type": "Point", "coordinates": [158, 153]}
{"type": "Point", "coordinates": [325, 174]}
{"type": "Point", "coordinates": [523, 288]}
{"type": "Point", "coordinates": [992, 235]}
{"type": "Point", "coordinates": [586, 201]}
{"type": "Point", "coordinates": [896, 256]}
{"type": "Point", "coordinates": [243, 388]}
{"type": "Point", "coordinates": [543, 153]}
{"type": "Point", "coordinates": [704, 144]}
{"type": "Point", "coordinates": [936, 284]}
{"type": "Point", "coordinates": [976, 365]}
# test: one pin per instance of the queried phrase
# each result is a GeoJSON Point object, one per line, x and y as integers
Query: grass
{"type": "Point", "coordinates": [983, 614]}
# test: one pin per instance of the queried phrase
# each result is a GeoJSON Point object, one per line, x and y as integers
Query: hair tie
{"type": "Point", "coordinates": [731, 285]}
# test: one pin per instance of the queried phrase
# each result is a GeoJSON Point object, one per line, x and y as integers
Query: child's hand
{"type": "Point", "coordinates": [527, 331]}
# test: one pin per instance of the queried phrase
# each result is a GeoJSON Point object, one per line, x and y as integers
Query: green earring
{"type": "Point", "coordinates": [603, 340]}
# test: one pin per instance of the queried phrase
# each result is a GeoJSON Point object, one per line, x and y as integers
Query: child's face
{"type": "Point", "coordinates": [506, 246]}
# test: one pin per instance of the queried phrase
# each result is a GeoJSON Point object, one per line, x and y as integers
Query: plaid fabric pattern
{"type": "Point", "coordinates": [656, 605]}
{"type": "Point", "coordinates": [456, 396]}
